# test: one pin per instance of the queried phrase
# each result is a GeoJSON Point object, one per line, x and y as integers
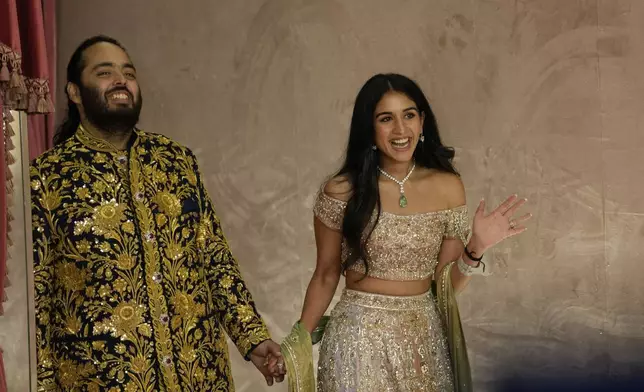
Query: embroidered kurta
{"type": "Point", "coordinates": [135, 282]}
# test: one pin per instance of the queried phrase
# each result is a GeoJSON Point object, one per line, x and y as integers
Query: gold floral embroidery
{"type": "Point", "coordinates": [72, 278]}
{"type": "Point", "coordinates": [173, 251]}
{"type": "Point", "coordinates": [131, 387]}
{"type": "Point", "coordinates": [52, 200]}
{"type": "Point", "coordinates": [226, 282]}
{"type": "Point", "coordinates": [120, 349]}
{"type": "Point", "coordinates": [109, 215]}
{"type": "Point", "coordinates": [125, 261]}
{"type": "Point", "coordinates": [188, 354]}
{"type": "Point", "coordinates": [99, 187]}
{"type": "Point", "coordinates": [82, 193]}
{"type": "Point", "coordinates": [126, 317]}
{"type": "Point", "coordinates": [99, 157]}
{"type": "Point", "coordinates": [161, 220]}
{"type": "Point", "coordinates": [145, 330]}
{"type": "Point", "coordinates": [192, 178]}
{"type": "Point", "coordinates": [140, 364]}
{"type": "Point", "coordinates": [68, 374]}
{"type": "Point", "coordinates": [73, 325]}
{"type": "Point", "coordinates": [185, 305]}
{"type": "Point", "coordinates": [128, 227]}
{"type": "Point", "coordinates": [246, 313]}
{"type": "Point", "coordinates": [173, 178]}
{"type": "Point", "coordinates": [35, 185]}
{"type": "Point", "coordinates": [146, 290]}
{"type": "Point", "coordinates": [120, 285]}
{"type": "Point", "coordinates": [159, 177]}
{"type": "Point", "coordinates": [168, 204]}
{"type": "Point", "coordinates": [202, 231]}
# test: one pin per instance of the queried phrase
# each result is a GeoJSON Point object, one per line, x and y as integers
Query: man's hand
{"type": "Point", "coordinates": [267, 358]}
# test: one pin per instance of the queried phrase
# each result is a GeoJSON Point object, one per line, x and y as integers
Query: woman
{"type": "Point", "coordinates": [393, 221]}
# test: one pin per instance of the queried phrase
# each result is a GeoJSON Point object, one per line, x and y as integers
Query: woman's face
{"type": "Point", "coordinates": [398, 125]}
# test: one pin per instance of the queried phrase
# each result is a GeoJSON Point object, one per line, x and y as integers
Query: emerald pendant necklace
{"type": "Point", "coordinates": [402, 201]}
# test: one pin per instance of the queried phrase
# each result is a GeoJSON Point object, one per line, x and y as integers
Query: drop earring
{"type": "Point", "coordinates": [374, 147]}
{"type": "Point", "coordinates": [422, 138]}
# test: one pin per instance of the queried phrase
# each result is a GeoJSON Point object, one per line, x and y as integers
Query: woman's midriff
{"type": "Point", "coordinates": [355, 281]}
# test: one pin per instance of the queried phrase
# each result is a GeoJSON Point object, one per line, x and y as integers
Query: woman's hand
{"type": "Point", "coordinates": [267, 358]}
{"type": "Point", "coordinates": [488, 230]}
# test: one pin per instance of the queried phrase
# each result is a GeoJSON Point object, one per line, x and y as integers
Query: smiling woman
{"type": "Point", "coordinates": [394, 222]}
{"type": "Point", "coordinates": [398, 126]}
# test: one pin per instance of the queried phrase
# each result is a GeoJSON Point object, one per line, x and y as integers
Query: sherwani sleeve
{"type": "Point", "coordinates": [43, 257]}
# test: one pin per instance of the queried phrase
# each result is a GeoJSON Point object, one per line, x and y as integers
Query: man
{"type": "Point", "coordinates": [135, 282]}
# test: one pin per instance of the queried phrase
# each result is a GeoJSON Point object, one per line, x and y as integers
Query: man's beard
{"type": "Point", "coordinates": [120, 119]}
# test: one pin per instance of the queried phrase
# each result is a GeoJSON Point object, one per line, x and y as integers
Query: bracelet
{"type": "Point", "coordinates": [468, 270]}
{"type": "Point", "coordinates": [471, 255]}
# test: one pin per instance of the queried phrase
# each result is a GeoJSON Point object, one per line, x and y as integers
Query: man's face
{"type": "Point", "coordinates": [109, 92]}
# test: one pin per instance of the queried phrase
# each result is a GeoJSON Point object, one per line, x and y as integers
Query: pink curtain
{"type": "Point", "coordinates": [27, 60]}
{"type": "Point", "coordinates": [37, 66]}
{"type": "Point", "coordinates": [49, 129]}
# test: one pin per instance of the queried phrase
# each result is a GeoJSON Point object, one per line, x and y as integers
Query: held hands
{"type": "Point", "coordinates": [267, 358]}
{"type": "Point", "coordinates": [490, 229]}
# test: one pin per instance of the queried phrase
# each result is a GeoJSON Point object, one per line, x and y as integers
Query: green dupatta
{"type": "Point", "coordinates": [448, 309]}
{"type": "Point", "coordinates": [297, 347]}
{"type": "Point", "coordinates": [297, 351]}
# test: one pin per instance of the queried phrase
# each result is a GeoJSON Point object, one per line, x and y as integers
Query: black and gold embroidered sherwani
{"type": "Point", "coordinates": [135, 283]}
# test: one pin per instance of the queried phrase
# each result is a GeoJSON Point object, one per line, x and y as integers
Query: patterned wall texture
{"type": "Point", "coordinates": [541, 97]}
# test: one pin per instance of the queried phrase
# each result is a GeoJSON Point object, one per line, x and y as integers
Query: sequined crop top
{"type": "Point", "coordinates": [401, 247]}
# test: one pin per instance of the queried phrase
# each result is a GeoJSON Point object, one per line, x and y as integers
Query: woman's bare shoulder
{"type": "Point", "coordinates": [449, 186]}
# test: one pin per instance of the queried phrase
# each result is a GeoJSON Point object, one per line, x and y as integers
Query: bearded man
{"type": "Point", "coordinates": [135, 283]}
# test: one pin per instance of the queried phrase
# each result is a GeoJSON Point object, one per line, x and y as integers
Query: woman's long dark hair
{"type": "Point", "coordinates": [361, 163]}
{"type": "Point", "coordinates": [75, 68]}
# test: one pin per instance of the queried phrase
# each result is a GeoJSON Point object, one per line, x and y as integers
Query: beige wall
{"type": "Point", "coordinates": [540, 97]}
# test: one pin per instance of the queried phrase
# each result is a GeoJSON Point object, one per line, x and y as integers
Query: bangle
{"type": "Point", "coordinates": [468, 270]}
{"type": "Point", "coordinates": [471, 255]}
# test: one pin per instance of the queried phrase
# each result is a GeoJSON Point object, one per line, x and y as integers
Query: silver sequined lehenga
{"type": "Point", "coordinates": [383, 343]}
{"type": "Point", "coordinates": [379, 343]}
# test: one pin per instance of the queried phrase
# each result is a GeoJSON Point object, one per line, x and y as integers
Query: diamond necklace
{"type": "Point", "coordinates": [402, 201]}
